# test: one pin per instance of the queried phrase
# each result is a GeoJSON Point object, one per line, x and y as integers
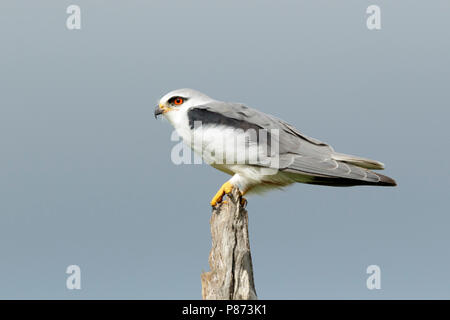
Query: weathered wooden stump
{"type": "Point", "coordinates": [230, 261]}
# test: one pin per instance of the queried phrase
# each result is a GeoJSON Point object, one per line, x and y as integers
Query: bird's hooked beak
{"type": "Point", "coordinates": [161, 109]}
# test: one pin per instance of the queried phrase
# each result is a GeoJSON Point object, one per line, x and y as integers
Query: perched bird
{"type": "Point", "coordinates": [299, 158]}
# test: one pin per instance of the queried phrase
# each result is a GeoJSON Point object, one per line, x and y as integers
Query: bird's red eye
{"type": "Point", "coordinates": [178, 101]}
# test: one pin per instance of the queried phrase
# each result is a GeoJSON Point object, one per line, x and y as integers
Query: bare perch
{"type": "Point", "coordinates": [230, 261]}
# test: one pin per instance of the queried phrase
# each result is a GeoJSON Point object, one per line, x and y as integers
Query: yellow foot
{"type": "Point", "coordinates": [224, 189]}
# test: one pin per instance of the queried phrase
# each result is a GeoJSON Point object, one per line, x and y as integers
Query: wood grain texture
{"type": "Point", "coordinates": [230, 261]}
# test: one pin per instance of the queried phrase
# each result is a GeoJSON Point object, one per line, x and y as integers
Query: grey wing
{"type": "Point", "coordinates": [327, 171]}
{"type": "Point", "coordinates": [299, 155]}
{"type": "Point", "coordinates": [241, 116]}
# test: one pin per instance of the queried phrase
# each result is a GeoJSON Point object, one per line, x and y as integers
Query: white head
{"type": "Point", "coordinates": [179, 101]}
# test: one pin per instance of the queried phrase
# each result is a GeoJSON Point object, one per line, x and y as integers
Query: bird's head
{"type": "Point", "coordinates": [179, 101]}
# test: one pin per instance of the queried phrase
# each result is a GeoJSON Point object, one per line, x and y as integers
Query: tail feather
{"type": "Point", "coordinates": [358, 161]}
{"type": "Point", "coordinates": [358, 177]}
{"type": "Point", "coordinates": [384, 181]}
{"type": "Point", "coordinates": [332, 172]}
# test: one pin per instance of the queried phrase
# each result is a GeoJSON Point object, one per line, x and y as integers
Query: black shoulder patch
{"type": "Point", "coordinates": [207, 117]}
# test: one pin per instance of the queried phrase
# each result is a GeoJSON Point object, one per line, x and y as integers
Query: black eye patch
{"type": "Point", "coordinates": [172, 100]}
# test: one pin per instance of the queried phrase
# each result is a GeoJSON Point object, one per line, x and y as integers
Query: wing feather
{"type": "Point", "coordinates": [299, 154]}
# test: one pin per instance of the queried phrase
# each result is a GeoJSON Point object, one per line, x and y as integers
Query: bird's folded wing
{"type": "Point", "coordinates": [297, 152]}
{"type": "Point", "coordinates": [325, 168]}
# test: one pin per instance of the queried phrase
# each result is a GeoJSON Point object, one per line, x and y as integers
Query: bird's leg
{"type": "Point", "coordinates": [224, 189]}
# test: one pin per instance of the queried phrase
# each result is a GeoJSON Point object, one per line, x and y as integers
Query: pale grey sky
{"type": "Point", "coordinates": [85, 171]}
